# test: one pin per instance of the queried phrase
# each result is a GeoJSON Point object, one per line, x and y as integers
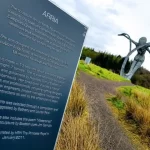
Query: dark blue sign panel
{"type": "Point", "coordinates": [40, 46]}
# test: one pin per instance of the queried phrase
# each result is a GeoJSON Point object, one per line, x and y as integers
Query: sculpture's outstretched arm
{"type": "Point", "coordinates": [128, 37]}
{"type": "Point", "coordinates": [132, 41]}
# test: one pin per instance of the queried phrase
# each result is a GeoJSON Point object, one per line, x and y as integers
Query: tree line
{"type": "Point", "coordinates": [114, 63]}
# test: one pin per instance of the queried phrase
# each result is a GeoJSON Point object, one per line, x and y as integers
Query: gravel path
{"type": "Point", "coordinates": [111, 134]}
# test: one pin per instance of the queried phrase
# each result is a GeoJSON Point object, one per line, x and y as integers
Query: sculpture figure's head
{"type": "Point", "coordinates": [142, 40]}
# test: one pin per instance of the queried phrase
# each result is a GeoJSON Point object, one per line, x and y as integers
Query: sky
{"type": "Point", "coordinates": [106, 19]}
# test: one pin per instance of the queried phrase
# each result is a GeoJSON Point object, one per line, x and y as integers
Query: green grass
{"type": "Point", "coordinates": [99, 72]}
{"type": "Point", "coordinates": [131, 90]}
{"type": "Point", "coordinates": [119, 104]}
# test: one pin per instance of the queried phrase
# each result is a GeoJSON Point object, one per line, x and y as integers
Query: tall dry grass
{"type": "Point", "coordinates": [134, 116]}
{"type": "Point", "coordinates": [138, 109]}
{"type": "Point", "coordinates": [77, 105]}
{"type": "Point", "coordinates": [137, 112]}
{"type": "Point", "coordinates": [78, 131]}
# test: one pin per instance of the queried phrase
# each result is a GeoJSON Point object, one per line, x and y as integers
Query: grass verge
{"type": "Point", "coordinates": [78, 132]}
{"type": "Point", "coordinates": [131, 107]}
{"type": "Point", "coordinates": [99, 72]}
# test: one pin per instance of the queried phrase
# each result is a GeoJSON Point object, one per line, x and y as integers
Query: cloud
{"type": "Point", "coordinates": [133, 19]}
{"type": "Point", "coordinates": [99, 3]}
{"type": "Point", "coordinates": [107, 18]}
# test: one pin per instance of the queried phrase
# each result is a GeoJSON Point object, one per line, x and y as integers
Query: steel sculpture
{"type": "Point", "coordinates": [141, 47]}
